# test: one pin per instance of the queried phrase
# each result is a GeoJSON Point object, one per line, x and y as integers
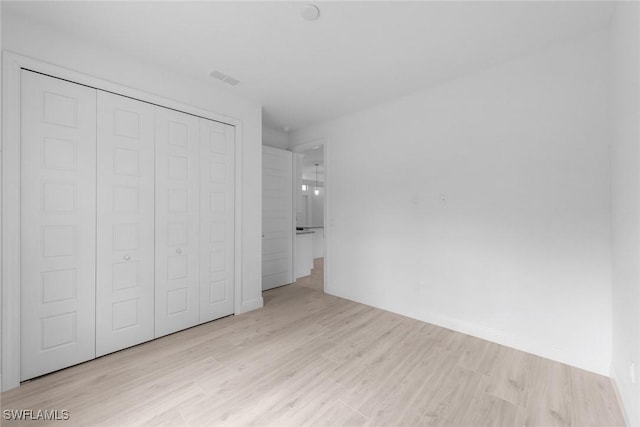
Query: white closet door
{"type": "Point", "coordinates": [217, 200]}
{"type": "Point", "coordinates": [277, 217]}
{"type": "Point", "coordinates": [58, 203]}
{"type": "Point", "coordinates": [177, 224]}
{"type": "Point", "coordinates": [125, 232]}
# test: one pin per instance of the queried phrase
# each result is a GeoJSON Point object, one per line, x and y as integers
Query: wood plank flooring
{"type": "Point", "coordinates": [308, 358]}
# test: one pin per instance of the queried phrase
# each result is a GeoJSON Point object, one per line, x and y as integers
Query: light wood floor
{"type": "Point", "coordinates": [314, 281]}
{"type": "Point", "coordinates": [311, 359]}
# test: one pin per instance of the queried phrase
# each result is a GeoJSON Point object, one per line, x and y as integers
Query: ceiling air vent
{"type": "Point", "coordinates": [231, 81]}
{"type": "Point", "coordinates": [224, 78]}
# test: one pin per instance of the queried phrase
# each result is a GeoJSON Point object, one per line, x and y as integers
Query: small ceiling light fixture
{"type": "Point", "coordinates": [310, 12]}
{"type": "Point", "coordinates": [286, 128]}
{"type": "Point", "coordinates": [316, 191]}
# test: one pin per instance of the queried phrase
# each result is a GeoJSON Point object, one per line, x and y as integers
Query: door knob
{"type": "Point", "coordinates": [178, 251]}
{"type": "Point", "coordinates": [127, 257]}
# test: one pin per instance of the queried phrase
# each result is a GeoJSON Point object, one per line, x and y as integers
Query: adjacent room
{"type": "Point", "coordinates": [284, 213]}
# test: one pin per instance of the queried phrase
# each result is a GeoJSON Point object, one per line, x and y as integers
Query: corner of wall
{"type": "Point", "coordinates": [615, 382]}
{"type": "Point", "coordinates": [275, 138]}
{"type": "Point", "coordinates": [252, 304]}
{"type": "Point", "coordinates": [625, 39]}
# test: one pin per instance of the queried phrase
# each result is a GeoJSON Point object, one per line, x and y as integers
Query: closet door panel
{"type": "Point", "coordinates": [177, 212]}
{"type": "Point", "coordinates": [217, 185]}
{"type": "Point", "coordinates": [58, 203]}
{"type": "Point", "coordinates": [125, 225]}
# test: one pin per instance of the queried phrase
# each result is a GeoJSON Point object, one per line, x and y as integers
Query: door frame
{"type": "Point", "coordinates": [12, 65]}
{"type": "Point", "coordinates": [306, 146]}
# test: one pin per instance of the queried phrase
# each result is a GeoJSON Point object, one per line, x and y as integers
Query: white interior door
{"type": "Point", "coordinates": [217, 184]}
{"type": "Point", "coordinates": [177, 224]}
{"type": "Point", "coordinates": [58, 205]}
{"type": "Point", "coordinates": [125, 231]}
{"type": "Point", "coordinates": [277, 217]}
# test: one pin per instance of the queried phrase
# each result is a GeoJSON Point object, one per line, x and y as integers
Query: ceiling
{"type": "Point", "coordinates": [357, 54]}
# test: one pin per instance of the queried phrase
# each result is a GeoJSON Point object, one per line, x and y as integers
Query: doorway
{"type": "Point", "coordinates": [310, 207]}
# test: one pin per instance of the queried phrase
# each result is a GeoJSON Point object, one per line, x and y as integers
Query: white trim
{"type": "Point", "coordinates": [615, 381]}
{"type": "Point", "coordinates": [118, 89]}
{"type": "Point", "coordinates": [295, 200]}
{"type": "Point", "coordinates": [252, 304]}
{"type": "Point", "coordinates": [10, 222]}
{"type": "Point", "coordinates": [539, 348]}
{"type": "Point", "coordinates": [327, 219]}
{"type": "Point", "coordinates": [12, 64]}
{"type": "Point", "coordinates": [238, 286]}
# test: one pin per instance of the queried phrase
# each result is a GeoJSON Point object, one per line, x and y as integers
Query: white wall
{"type": "Point", "coordinates": [0, 198]}
{"type": "Point", "coordinates": [316, 204]}
{"type": "Point", "coordinates": [45, 44]}
{"type": "Point", "coordinates": [275, 138]}
{"type": "Point", "coordinates": [317, 208]}
{"type": "Point", "coordinates": [626, 204]}
{"type": "Point", "coordinates": [519, 253]}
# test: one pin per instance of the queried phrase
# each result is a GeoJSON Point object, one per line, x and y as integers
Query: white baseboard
{"type": "Point", "coordinates": [615, 381]}
{"type": "Point", "coordinates": [542, 349]}
{"type": "Point", "coordinates": [251, 305]}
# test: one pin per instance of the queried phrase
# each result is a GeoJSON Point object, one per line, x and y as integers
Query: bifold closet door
{"type": "Point", "coordinates": [125, 223]}
{"type": "Point", "coordinates": [58, 211]}
{"type": "Point", "coordinates": [177, 222]}
{"type": "Point", "coordinates": [217, 173]}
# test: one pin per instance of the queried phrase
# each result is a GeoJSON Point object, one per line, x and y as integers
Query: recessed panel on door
{"type": "Point", "coordinates": [177, 221]}
{"type": "Point", "coordinates": [217, 149]}
{"type": "Point", "coordinates": [125, 225]}
{"type": "Point", "coordinates": [58, 203]}
{"type": "Point", "coordinates": [277, 217]}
